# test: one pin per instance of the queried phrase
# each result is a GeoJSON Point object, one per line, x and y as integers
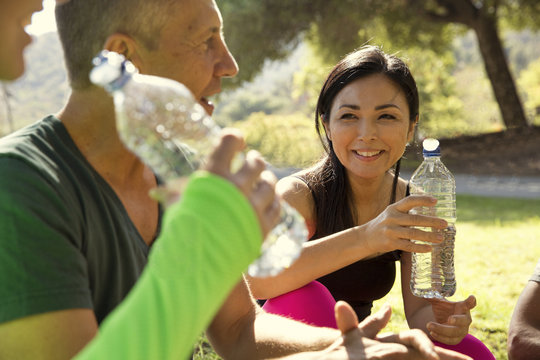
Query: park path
{"type": "Point", "coordinates": [525, 187]}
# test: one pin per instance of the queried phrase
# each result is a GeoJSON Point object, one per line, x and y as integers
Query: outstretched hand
{"type": "Point", "coordinates": [362, 341]}
{"type": "Point", "coordinates": [452, 319]}
{"type": "Point", "coordinates": [394, 228]}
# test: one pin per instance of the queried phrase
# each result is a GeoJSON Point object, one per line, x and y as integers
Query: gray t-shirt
{"type": "Point", "coordinates": [67, 240]}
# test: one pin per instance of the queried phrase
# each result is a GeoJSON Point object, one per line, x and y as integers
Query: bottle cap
{"type": "Point", "coordinates": [431, 147]}
{"type": "Point", "coordinates": [111, 70]}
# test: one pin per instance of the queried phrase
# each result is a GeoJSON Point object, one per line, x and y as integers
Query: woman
{"type": "Point", "coordinates": [356, 206]}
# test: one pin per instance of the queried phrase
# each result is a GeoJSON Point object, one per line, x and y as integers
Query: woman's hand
{"type": "Point", "coordinates": [394, 228]}
{"type": "Point", "coordinates": [452, 320]}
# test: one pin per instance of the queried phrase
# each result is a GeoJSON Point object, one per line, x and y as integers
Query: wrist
{"type": "Point", "coordinates": [363, 246]}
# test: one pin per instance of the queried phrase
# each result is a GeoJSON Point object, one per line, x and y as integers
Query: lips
{"type": "Point", "coordinates": [369, 153]}
{"type": "Point", "coordinates": [207, 105]}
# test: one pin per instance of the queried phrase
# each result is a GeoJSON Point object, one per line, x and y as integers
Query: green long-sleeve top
{"type": "Point", "coordinates": [208, 238]}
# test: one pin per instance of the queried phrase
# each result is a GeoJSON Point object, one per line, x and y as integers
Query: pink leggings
{"type": "Point", "coordinates": [313, 304]}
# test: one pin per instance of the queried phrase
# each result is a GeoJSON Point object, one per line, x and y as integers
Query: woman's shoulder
{"type": "Point", "coordinates": [293, 185]}
{"type": "Point", "coordinates": [296, 192]}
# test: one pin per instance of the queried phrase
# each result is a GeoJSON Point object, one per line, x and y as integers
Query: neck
{"type": "Point", "coordinates": [89, 118]}
{"type": "Point", "coordinates": [371, 196]}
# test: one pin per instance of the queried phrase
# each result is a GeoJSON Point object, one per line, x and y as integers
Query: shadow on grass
{"type": "Point", "coordinates": [489, 210]}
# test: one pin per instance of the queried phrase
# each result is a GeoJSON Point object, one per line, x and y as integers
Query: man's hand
{"type": "Point", "coordinates": [360, 341]}
{"type": "Point", "coordinates": [251, 178]}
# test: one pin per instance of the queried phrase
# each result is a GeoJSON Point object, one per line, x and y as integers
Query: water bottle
{"type": "Point", "coordinates": [433, 274]}
{"type": "Point", "coordinates": [160, 120]}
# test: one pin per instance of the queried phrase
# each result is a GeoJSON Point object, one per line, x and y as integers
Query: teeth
{"type": "Point", "coordinates": [367, 153]}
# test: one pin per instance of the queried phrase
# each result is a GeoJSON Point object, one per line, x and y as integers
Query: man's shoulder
{"type": "Point", "coordinates": [35, 145]}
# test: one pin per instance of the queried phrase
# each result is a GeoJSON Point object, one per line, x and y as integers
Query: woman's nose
{"type": "Point", "coordinates": [367, 130]}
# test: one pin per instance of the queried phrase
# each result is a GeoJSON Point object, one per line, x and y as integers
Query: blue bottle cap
{"type": "Point", "coordinates": [431, 147]}
{"type": "Point", "coordinates": [111, 70]}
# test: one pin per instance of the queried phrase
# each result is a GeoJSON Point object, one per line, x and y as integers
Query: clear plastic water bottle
{"type": "Point", "coordinates": [160, 120]}
{"type": "Point", "coordinates": [433, 274]}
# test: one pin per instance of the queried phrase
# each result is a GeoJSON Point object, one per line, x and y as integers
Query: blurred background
{"type": "Point", "coordinates": [477, 65]}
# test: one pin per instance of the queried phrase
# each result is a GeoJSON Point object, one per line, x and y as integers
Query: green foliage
{"type": "Point", "coordinates": [529, 82]}
{"type": "Point", "coordinates": [308, 81]}
{"type": "Point", "coordinates": [284, 140]}
{"type": "Point", "coordinates": [441, 111]}
{"type": "Point", "coordinates": [480, 111]}
{"type": "Point", "coordinates": [520, 14]}
{"type": "Point", "coordinates": [350, 23]}
{"type": "Point", "coordinates": [203, 350]}
{"type": "Point", "coordinates": [257, 31]}
{"type": "Point", "coordinates": [242, 103]}
{"type": "Point", "coordinates": [42, 89]}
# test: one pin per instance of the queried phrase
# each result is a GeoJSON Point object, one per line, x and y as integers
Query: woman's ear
{"type": "Point", "coordinates": [412, 127]}
{"type": "Point", "coordinates": [326, 125]}
{"type": "Point", "coordinates": [125, 45]}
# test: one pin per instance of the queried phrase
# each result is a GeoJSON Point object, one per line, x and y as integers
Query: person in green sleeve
{"type": "Point", "coordinates": [77, 223]}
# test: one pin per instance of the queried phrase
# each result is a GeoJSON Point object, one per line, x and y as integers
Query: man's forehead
{"type": "Point", "coordinates": [199, 17]}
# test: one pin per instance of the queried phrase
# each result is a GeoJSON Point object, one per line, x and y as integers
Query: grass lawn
{"type": "Point", "coordinates": [497, 247]}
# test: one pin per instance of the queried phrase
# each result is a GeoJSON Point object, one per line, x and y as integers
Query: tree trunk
{"type": "Point", "coordinates": [498, 72]}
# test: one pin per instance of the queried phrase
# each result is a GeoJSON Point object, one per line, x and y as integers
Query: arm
{"type": "Point", "coordinates": [320, 257]}
{"type": "Point", "coordinates": [187, 276]}
{"type": "Point", "coordinates": [445, 321]}
{"type": "Point", "coordinates": [241, 330]}
{"type": "Point", "coordinates": [45, 309]}
{"type": "Point", "coordinates": [208, 238]}
{"type": "Point", "coordinates": [524, 330]}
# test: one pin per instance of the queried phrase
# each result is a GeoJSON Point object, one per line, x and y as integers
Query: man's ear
{"type": "Point", "coordinates": [125, 45]}
{"type": "Point", "coordinates": [412, 127]}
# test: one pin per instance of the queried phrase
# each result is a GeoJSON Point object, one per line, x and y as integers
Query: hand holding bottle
{"type": "Point", "coordinates": [257, 184]}
{"type": "Point", "coordinates": [394, 228]}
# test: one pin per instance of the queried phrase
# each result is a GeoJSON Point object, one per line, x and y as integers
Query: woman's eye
{"type": "Point", "coordinates": [387, 117]}
{"type": "Point", "coordinates": [348, 116]}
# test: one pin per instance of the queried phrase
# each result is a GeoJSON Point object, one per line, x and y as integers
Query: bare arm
{"type": "Point", "coordinates": [54, 335]}
{"type": "Point", "coordinates": [242, 330]}
{"type": "Point", "coordinates": [524, 330]}
{"type": "Point", "coordinates": [389, 231]}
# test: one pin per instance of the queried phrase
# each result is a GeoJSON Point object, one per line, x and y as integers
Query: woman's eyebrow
{"type": "Point", "coordinates": [384, 106]}
{"type": "Point", "coordinates": [354, 107]}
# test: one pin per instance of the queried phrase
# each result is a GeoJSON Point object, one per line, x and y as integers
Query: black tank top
{"type": "Point", "coordinates": [364, 281]}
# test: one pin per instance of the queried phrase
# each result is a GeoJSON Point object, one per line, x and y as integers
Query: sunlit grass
{"type": "Point", "coordinates": [497, 247]}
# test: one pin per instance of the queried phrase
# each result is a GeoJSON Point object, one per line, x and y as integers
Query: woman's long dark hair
{"type": "Point", "coordinates": [327, 180]}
